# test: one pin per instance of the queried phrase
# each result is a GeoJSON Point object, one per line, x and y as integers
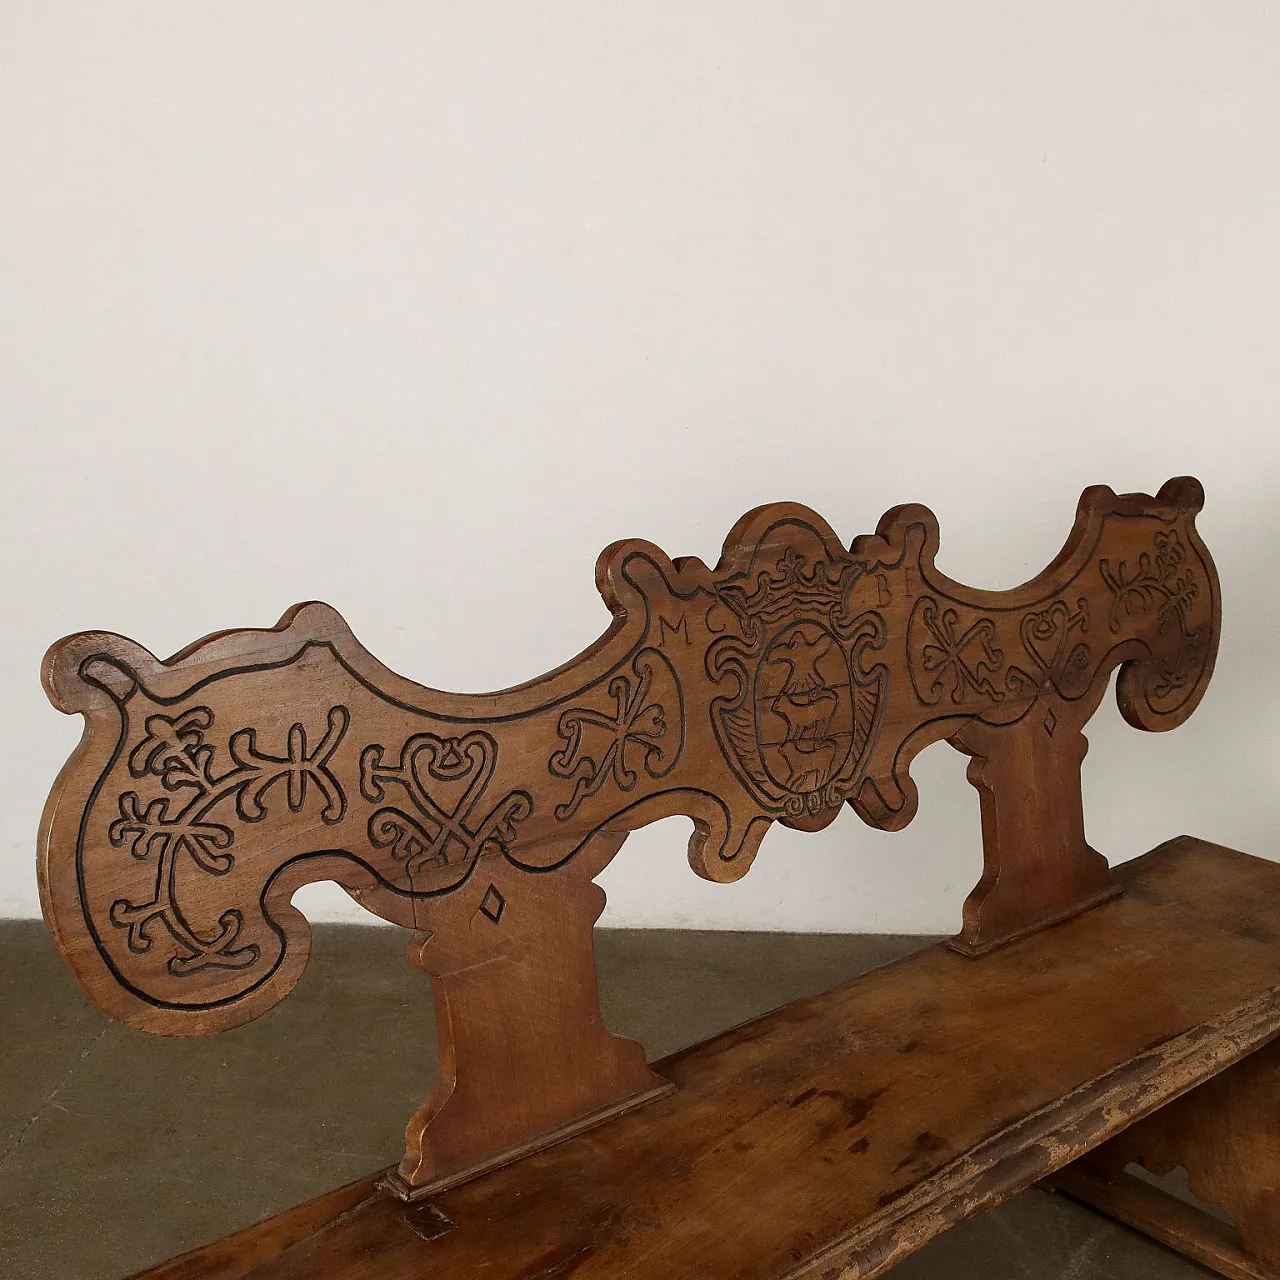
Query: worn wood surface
{"type": "Point", "coordinates": [1226, 1135]}
{"type": "Point", "coordinates": [836, 1136]}
{"type": "Point", "coordinates": [796, 676]}
{"type": "Point", "coordinates": [1184, 1227]}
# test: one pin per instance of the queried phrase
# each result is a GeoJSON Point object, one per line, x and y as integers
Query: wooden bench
{"type": "Point", "coordinates": [1080, 1023]}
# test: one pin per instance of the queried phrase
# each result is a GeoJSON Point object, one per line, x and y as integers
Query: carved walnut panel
{"type": "Point", "coordinates": [795, 676]}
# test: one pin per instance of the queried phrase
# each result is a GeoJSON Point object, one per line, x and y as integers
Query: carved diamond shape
{"type": "Point", "coordinates": [493, 904]}
{"type": "Point", "coordinates": [1050, 722]}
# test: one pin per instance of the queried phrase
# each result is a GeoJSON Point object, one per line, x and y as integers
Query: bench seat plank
{"type": "Point", "coordinates": [837, 1135]}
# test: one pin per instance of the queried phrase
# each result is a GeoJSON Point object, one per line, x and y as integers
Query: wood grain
{"type": "Point", "coordinates": [1225, 1134]}
{"type": "Point", "coordinates": [835, 1136]}
{"type": "Point", "coordinates": [796, 676]}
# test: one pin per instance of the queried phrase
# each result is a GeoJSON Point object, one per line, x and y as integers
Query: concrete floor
{"type": "Point", "coordinates": [118, 1149]}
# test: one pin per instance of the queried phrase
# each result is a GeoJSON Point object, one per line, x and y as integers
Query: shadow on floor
{"type": "Point", "coordinates": [119, 1149]}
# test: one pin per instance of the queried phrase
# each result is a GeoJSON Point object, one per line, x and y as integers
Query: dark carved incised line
{"type": "Point", "coordinates": [797, 674]}
{"type": "Point", "coordinates": [645, 726]}
{"type": "Point", "coordinates": [966, 664]}
{"type": "Point", "coordinates": [1047, 636]}
{"type": "Point", "coordinates": [1164, 582]}
{"type": "Point", "coordinates": [175, 751]}
{"type": "Point", "coordinates": [1159, 580]}
{"type": "Point", "coordinates": [954, 662]}
{"type": "Point", "coordinates": [803, 714]}
{"type": "Point", "coordinates": [680, 628]}
{"type": "Point", "coordinates": [440, 841]}
{"type": "Point", "coordinates": [493, 904]}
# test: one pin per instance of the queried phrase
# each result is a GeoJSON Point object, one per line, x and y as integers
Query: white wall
{"type": "Point", "coordinates": [413, 307]}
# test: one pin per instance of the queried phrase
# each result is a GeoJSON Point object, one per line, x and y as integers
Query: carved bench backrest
{"type": "Point", "coordinates": [794, 677]}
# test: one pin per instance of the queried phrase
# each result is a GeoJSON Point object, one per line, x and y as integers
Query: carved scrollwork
{"type": "Point", "coordinates": [644, 727]}
{"type": "Point", "coordinates": [794, 676]}
{"type": "Point", "coordinates": [797, 674]}
{"type": "Point", "coordinates": [164, 829]}
{"type": "Point", "coordinates": [1166, 585]}
{"type": "Point", "coordinates": [445, 780]}
{"type": "Point", "coordinates": [948, 662]}
{"type": "Point", "coordinates": [1051, 638]}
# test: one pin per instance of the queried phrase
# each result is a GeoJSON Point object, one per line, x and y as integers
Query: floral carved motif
{"type": "Point", "coordinates": [645, 728]}
{"type": "Point", "coordinates": [797, 674]}
{"type": "Point", "coordinates": [181, 823]}
{"type": "Point", "coordinates": [794, 676]}
{"type": "Point", "coordinates": [952, 663]}
{"type": "Point", "coordinates": [445, 780]}
{"type": "Point", "coordinates": [1163, 583]}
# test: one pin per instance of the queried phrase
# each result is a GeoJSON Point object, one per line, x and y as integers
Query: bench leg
{"type": "Point", "coordinates": [1226, 1135]}
{"type": "Point", "coordinates": [1038, 869]}
{"type": "Point", "coordinates": [525, 1057]}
